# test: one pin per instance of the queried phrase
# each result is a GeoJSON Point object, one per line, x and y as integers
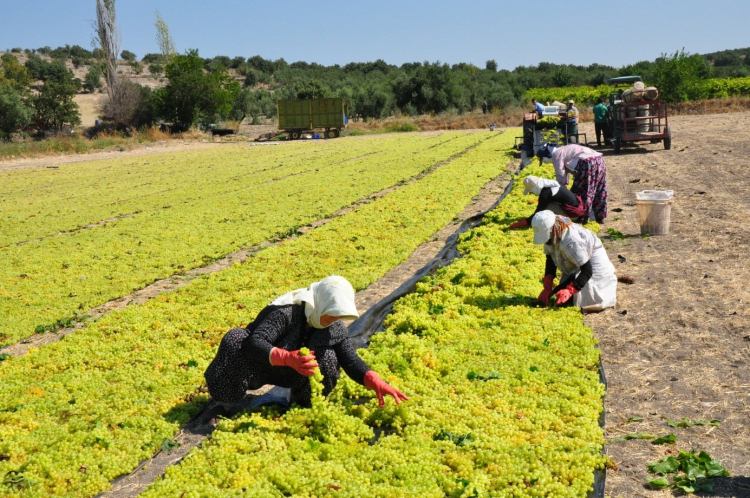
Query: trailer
{"type": "Point", "coordinates": [297, 117]}
{"type": "Point", "coordinates": [637, 120]}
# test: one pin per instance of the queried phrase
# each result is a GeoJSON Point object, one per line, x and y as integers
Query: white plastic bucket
{"type": "Point", "coordinates": [654, 210]}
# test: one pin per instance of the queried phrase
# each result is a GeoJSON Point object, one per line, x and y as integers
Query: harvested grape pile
{"type": "Point", "coordinates": [505, 396]}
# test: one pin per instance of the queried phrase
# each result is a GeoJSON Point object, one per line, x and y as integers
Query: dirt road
{"type": "Point", "coordinates": [678, 343]}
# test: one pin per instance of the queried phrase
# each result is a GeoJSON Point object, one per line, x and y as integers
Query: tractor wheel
{"type": "Point", "coordinates": [668, 140]}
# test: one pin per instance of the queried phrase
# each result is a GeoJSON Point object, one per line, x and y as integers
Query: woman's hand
{"type": "Point", "coordinates": [304, 365]}
{"type": "Point", "coordinates": [564, 295]}
{"type": "Point", "coordinates": [381, 387]}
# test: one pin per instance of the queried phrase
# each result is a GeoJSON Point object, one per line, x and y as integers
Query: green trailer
{"type": "Point", "coordinates": [308, 115]}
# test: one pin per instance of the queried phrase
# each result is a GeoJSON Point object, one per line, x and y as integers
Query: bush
{"type": "Point", "coordinates": [155, 69]}
{"type": "Point", "coordinates": [153, 58]}
{"type": "Point", "coordinates": [133, 106]}
{"type": "Point", "coordinates": [93, 79]}
{"type": "Point", "coordinates": [128, 55]}
{"type": "Point", "coordinates": [137, 67]}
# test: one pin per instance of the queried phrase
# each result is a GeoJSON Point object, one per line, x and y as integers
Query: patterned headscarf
{"type": "Point", "coordinates": [558, 229]}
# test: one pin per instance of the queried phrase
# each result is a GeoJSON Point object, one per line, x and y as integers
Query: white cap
{"type": "Point", "coordinates": [529, 183]}
{"type": "Point", "coordinates": [542, 223]}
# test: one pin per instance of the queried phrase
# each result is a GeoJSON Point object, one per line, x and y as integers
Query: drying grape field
{"type": "Point", "coordinates": [506, 398]}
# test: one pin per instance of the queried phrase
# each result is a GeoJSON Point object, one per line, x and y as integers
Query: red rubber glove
{"type": "Point", "coordinates": [519, 224]}
{"type": "Point", "coordinates": [547, 292]}
{"type": "Point", "coordinates": [381, 387]}
{"type": "Point", "coordinates": [563, 295]}
{"type": "Point", "coordinates": [304, 365]}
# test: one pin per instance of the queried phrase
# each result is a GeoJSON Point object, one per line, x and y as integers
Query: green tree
{"type": "Point", "coordinates": [93, 79]}
{"type": "Point", "coordinates": [15, 114]}
{"type": "Point", "coordinates": [491, 65]}
{"type": "Point", "coordinates": [128, 56]}
{"type": "Point", "coordinates": [164, 39]}
{"type": "Point", "coordinates": [562, 76]}
{"type": "Point", "coordinates": [54, 107]}
{"type": "Point", "coordinates": [192, 95]}
{"type": "Point", "coordinates": [677, 76]}
{"type": "Point", "coordinates": [13, 73]}
{"type": "Point", "coordinates": [155, 69]}
{"type": "Point", "coordinates": [253, 104]}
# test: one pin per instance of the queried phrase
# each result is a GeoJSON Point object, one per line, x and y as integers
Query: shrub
{"type": "Point", "coordinates": [132, 106]}
{"type": "Point", "coordinates": [128, 55]}
{"type": "Point", "coordinates": [93, 79]}
{"type": "Point", "coordinates": [155, 69]}
{"type": "Point", "coordinates": [153, 58]}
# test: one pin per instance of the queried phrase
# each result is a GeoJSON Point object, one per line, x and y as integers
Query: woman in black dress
{"type": "Point", "coordinates": [267, 350]}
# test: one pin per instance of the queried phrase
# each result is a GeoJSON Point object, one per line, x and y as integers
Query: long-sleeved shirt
{"type": "Point", "coordinates": [286, 327]}
{"type": "Point", "coordinates": [565, 160]}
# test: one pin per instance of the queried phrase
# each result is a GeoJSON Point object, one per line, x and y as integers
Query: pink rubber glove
{"type": "Point", "coordinates": [563, 295]}
{"type": "Point", "coordinates": [381, 387]}
{"type": "Point", "coordinates": [519, 224]}
{"type": "Point", "coordinates": [547, 292]}
{"type": "Point", "coordinates": [304, 365]}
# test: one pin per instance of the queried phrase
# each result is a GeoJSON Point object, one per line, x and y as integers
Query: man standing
{"type": "Point", "coordinates": [539, 108]}
{"type": "Point", "coordinates": [572, 120]}
{"type": "Point", "coordinates": [600, 121]}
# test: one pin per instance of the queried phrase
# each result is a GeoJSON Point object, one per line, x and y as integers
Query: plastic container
{"type": "Point", "coordinates": [654, 210]}
{"type": "Point", "coordinates": [644, 125]}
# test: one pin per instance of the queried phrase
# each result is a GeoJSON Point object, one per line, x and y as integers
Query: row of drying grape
{"type": "Point", "coordinates": [106, 397]}
{"type": "Point", "coordinates": [55, 278]}
{"type": "Point", "coordinates": [524, 424]}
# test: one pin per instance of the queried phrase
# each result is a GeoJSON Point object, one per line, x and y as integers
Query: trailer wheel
{"type": "Point", "coordinates": [668, 140]}
{"type": "Point", "coordinates": [334, 133]}
{"type": "Point", "coordinates": [294, 135]}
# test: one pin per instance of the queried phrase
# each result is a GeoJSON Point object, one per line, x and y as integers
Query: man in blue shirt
{"type": "Point", "coordinates": [539, 108]}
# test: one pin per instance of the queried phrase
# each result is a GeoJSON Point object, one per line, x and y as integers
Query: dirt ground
{"type": "Point", "coordinates": [678, 343]}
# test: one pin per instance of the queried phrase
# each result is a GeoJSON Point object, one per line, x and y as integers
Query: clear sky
{"type": "Point", "coordinates": [514, 33]}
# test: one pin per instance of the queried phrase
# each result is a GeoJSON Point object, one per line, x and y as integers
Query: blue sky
{"type": "Point", "coordinates": [337, 32]}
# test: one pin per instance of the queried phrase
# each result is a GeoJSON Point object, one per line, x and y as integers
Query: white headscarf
{"type": "Point", "coordinates": [332, 296]}
{"type": "Point", "coordinates": [535, 184]}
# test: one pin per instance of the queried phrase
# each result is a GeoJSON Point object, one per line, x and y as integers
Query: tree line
{"type": "Point", "coordinates": [38, 95]}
